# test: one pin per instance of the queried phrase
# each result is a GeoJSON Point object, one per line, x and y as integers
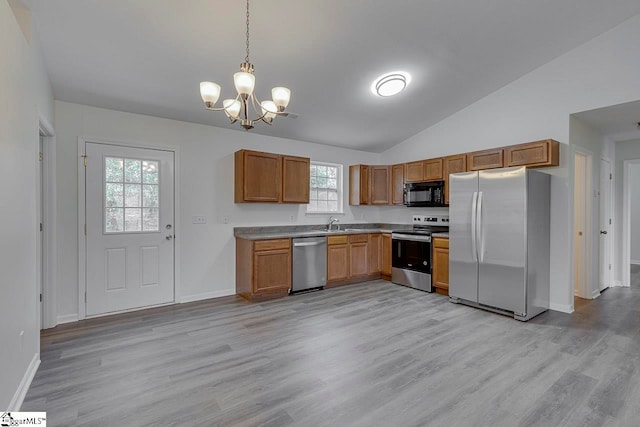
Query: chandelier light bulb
{"type": "Point", "coordinates": [281, 96]}
{"type": "Point", "coordinates": [244, 82]}
{"type": "Point", "coordinates": [210, 93]}
{"type": "Point", "coordinates": [232, 108]}
{"type": "Point", "coordinates": [269, 110]}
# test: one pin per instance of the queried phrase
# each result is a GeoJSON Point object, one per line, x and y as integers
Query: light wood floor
{"type": "Point", "coordinates": [373, 354]}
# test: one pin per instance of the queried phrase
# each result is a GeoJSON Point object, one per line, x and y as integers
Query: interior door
{"type": "Point", "coordinates": [605, 223]}
{"type": "Point", "coordinates": [463, 263]}
{"type": "Point", "coordinates": [502, 238]}
{"type": "Point", "coordinates": [129, 227]}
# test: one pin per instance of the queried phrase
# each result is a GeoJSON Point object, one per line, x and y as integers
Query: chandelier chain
{"type": "Point", "coordinates": [246, 58]}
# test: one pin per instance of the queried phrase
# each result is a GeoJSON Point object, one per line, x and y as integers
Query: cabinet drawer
{"type": "Point", "coordinates": [358, 238]}
{"type": "Point", "coordinates": [269, 245]}
{"type": "Point", "coordinates": [441, 242]}
{"type": "Point", "coordinates": [337, 240]}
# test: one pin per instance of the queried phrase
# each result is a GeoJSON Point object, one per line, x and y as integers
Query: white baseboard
{"type": "Point", "coordinates": [595, 294]}
{"type": "Point", "coordinates": [23, 388]}
{"type": "Point", "coordinates": [208, 295]}
{"type": "Point", "coordinates": [67, 318]}
{"type": "Point", "coordinates": [635, 262]}
{"type": "Point", "coordinates": [564, 308]}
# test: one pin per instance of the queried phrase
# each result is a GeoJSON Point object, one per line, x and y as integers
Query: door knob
{"type": "Point", "coordinates": [169, 237]}
{"type": "Point", "coordinates": [603, 231]}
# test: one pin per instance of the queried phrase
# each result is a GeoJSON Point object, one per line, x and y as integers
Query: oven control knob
{"type": "Point", "coordinates": [424, 263]}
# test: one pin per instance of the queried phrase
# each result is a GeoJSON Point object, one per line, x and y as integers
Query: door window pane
{"type": "Point", "coordinates": [131, 195]}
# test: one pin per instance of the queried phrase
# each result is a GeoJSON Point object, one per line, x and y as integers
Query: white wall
{"type": "Point", "coordinates": [24, 93]}
{"type": "Point", "coordinates": [599, 73]}
{"type": "Point", "coordinates": [207, 261]}
{"type": "Point", "coordinates": [634, 181]}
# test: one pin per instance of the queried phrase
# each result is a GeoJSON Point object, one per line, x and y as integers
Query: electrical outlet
{"type": "Point", "coordinates": [225, 219]}
{"type": "Point", "coordinates": [292, 218]}
{"type": "Point", "coordinates": [199, 219]}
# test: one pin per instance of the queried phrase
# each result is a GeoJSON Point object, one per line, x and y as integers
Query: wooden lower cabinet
{"type": "Point", "coordinates": [263, 268]}
{"type": "Point", "coordinates": [385, 240]}
{"type": "Point", "coordinates": [440, 267]}
{"type": "Point", "coordinates": [337, 258]}
{"type": "Point", "coordinates": [353, 258]}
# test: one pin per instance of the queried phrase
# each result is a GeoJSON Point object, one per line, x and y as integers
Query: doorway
{"type": "Point", "coordinates": [582, 204]}
{"type": "Point", "coordinates": [631, 223]}
{"type": "Point", "coordinates": [128, 228]}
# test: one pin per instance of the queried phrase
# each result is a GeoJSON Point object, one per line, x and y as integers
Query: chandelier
{"type": "Point", "coordinates": [238, 108]}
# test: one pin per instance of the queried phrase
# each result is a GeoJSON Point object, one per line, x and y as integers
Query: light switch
{"type": "Point", "coordinates": [199, 220]}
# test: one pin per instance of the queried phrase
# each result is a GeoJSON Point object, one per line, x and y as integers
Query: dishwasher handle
{"type": "Point", "coordinates": [298, 244]}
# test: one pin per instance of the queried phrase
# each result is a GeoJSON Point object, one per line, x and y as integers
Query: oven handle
{"type": "Point", "coordinates": [411, 237]}
{"type": "Point", "coordinates": [474, 226]}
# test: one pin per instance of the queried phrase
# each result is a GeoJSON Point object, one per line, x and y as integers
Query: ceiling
{"type": "Point", "coordinates": [148, 56]}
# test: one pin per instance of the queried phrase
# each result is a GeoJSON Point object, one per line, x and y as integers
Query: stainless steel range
{"type": "Point", "coordinates": [411, 251]}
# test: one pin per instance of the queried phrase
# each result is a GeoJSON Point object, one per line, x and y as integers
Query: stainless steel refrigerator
{"type": "Point", "coordinates": [499, 240]}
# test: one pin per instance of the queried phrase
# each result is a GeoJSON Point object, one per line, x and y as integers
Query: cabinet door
{"type": "Point", "coordinates": [271, 270]}
{"type": "Point", "coordinates": [533, 154]}
{"type": "Point", "coordinates": [258, 177]}
{"type": "Point", "coordinates": [337, 262]}
{"type": "Point", "coordinates": [358, 185]}
{"type": "Point", "coordinates": [380, 185]}
{"type": "Point", "coordinates": [358, 259]}
{"type": "Point", "coordinates": [453, 164]}
{"type": "Point", "coordinates": [433, 170]}
{"type": "Point", "coordinates": [414, 171]}
{"type": "Point", "coordinates": [440, 268]}
{"type": "Point", "coordinates": [375, 253]}
{"type": "Point", "coordinates": [487, 159]}
{"type": "Point", "coordinates": [397, 184]}
{"type": "Point", "coordinates": [295, 179]}
{"type": "Point", "coordinates": [386, 254]}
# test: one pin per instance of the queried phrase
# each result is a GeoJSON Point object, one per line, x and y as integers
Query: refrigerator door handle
{"type": "Point", "coordinates": [479, 227]}
{"type": "Point", "coordinates": [474, 235]}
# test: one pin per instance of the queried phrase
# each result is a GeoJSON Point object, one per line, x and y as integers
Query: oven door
{"type": "Point", "coordinates": [411, 252]}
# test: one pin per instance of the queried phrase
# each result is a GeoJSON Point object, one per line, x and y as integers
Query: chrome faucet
{"type": "Point", "coordinates": [332, 221]}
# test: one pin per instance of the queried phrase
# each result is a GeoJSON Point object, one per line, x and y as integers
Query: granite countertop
{"type": "Point", "coordinates": [442, 234]}
{"type": "Point", "coordinates": [283, 232]}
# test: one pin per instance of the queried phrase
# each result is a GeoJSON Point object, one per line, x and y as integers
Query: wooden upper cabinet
{"type": "Point", "coordinates": [271, 178]}
{"type": "Point", "coordinates": [433, 170]}
{"type": "Point", "coordinates": [295, 179]}
{"type": "Point", "coordinates": [533, 154]}
{"type": "Point", "coordinates": [358, 185]}
{"type": "Point", "coordinates": [487, 159]}
{"type": "Point", "coordinates": [258, 177]}
{"type": "Point", "coordinates": [423, 170]}
{"type": "Point", "coordinates": [397, 184]}
{"type": "Point", "coordinates": [380, 185]}
{"type": "Point", "coordinates": [452, 164]}
{"type": "Point", "coordinates": [414, 171]}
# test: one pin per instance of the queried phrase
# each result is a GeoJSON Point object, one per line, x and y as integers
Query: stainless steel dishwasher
{"type": "Point", "coordinates": [309, 263]}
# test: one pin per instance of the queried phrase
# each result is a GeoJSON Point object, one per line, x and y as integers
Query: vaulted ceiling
{"type": "Point", "coordinates": [148, 56]}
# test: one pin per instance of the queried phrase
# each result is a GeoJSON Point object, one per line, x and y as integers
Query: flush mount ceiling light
{"type": "Point", "coordinates": [245, 82]}
{"type": "Point", "coordinates": [390, 84]}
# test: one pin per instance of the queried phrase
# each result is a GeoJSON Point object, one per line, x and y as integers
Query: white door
{"type": "Point", "coordinates": [39, 226]}
{"type": "Point", "coordinates": [129, 219]}
{"type": "Point", "coordinates": [605, 223]}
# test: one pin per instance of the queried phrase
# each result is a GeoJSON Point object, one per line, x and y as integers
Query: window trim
{"type": "Point", "coordinates": [340, 185]}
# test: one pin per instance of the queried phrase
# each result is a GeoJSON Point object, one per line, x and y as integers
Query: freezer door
{"type": "Point", "coordinates": [502, 195]}
{"type": "Point", "coordinates": [463, 265]}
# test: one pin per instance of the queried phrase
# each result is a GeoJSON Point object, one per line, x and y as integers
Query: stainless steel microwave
{"type": "Point", "coordinates": [424, 194]}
